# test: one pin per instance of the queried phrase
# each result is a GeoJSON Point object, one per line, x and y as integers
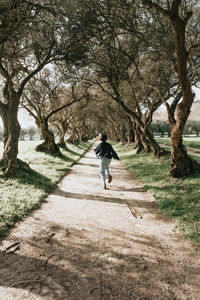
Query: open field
{"type": "Point", "coordinates": [177, 198]}
{"type": "Point", "coordinates": [21, 195]}
{"type": "Point", "coordinates": [190, 141]}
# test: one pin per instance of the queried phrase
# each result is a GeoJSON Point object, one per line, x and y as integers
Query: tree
{"type": "Point", "coordinates": [31, 131]}
{"type": "Point", "coordinates": [179, 13]}
{"type": "Point", "coordinates": [44, 98]}
{"type": "Point", "coordinates": [117, 59]}
{"type": "Point", "coordinates": [194, 126]}
{"type": "Point", "coordinates": [23, 132]}
{"type": "Point", "coordinates": [67, 119]}
{"type": "Point", "coordinates": [35, 34]}
{"type": "Point", "coordinates": [22, 56]}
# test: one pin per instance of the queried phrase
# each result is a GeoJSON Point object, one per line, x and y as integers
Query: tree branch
{"type": "Point", "coordinates": [188, 16]}
{"type": "Point", "coordinates": [64, 106]}
{"type": "Point", "coordinates": [30, 112]}
{"type": "Point", "coordinates": [175, 7]}
{"type": "Point", "coordinates": [33, 73]}
{"type": "Point", "coordinates": [156, 7]}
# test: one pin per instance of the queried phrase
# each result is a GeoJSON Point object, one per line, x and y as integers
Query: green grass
{"type": "Point", "coordinates": [21, 195]}
{"type": "Point", "coordinates": [189, 142]}
{"type": "Point", "coordinates": [177, 198]}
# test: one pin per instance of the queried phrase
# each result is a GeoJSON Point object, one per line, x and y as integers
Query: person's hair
{"type": "Point", "coordinates": [103, 137]}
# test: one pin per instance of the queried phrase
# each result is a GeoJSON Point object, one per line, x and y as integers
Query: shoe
{"type": "Point", "coordinates": [104, 186]}
{"type": "Point", "coordinates": [109, 178]}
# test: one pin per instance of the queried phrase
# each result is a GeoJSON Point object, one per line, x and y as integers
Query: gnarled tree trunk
{"type": "Point", "coordinates": [49, 145]}
{"type": "Point", "coordinates": [10, 163]}
{"type": "Point", "coordinates": [62, 127]}
{"type": "Point", "coordinates": [138, 142]}
{"type": "Point", "coordinates": [72, 137]}
{"type": "Point", "coordinates": [182, 165]}
{"type": "Point", "coordinates": [122, 133]}
{"type": "Point", "coordinates": [130, 132]}
{"type": "Point", "coordinates": [61, 142]}
{"type": "Point", "coordinates": [154, 146]}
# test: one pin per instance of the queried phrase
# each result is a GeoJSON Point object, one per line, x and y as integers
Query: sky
{"type": "Point", "coordinates": [24, 119]}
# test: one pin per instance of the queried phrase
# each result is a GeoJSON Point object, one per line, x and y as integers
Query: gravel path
{"type": "Point", "coordinates": [87, 243]}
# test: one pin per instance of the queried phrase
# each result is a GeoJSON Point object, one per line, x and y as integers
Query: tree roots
{"type": "Point", "coordinates": [21, 165]}
{"type": "Point", "coordinates": [178, 172]}
{"type": "Point", "coordinates": [50, 148]}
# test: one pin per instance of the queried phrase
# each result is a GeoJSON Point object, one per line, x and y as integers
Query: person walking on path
{"type": "Point", "coordinates": [105, 152]}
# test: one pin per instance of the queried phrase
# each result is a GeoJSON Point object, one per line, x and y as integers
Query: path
{"type": "Point", "coordinates": [87, 243]}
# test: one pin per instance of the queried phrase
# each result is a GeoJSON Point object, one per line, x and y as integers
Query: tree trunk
{"type": "Point", "coordinates": [154, 146]}
{"type": "Point", "coordinates": [11, 139]}
{"type": "Point", "coordinates": [72, 137]}
{"type": "Point", "coordinates": [182, 165]}
{"type": "Point", "coordinates": [145, 142]}
{"type": "Point", "coordinates": [122, 133]}
{"type": "Point", "coordinates": [138, 143]}
{"type": "Point", "coordinates": [49, 145]}
{"type": "Point", "coordinates": [142, 137]}
{"type": "Point", "coordinates": [112, 133]}
{"type": "Point", "coordinates": [130, 133]}
{"type": "Point", "coordinates": [61, 142]}
{"type": "Point", "coordinates": [9, 162]}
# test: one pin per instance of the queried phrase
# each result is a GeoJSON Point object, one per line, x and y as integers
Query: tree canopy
{"type": "Point", "coordinates": [131, 56]}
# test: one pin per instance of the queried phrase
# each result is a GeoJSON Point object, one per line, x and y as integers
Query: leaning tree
{"type": "Point", "coordinates": [116, 52]}
{"type": "Point", "coordinates": [32, 35]}
{"type": "Point", "coordinates": [183, 19]}
{"type": "Point", "coordinates": [66, 119]}
{"type": "Point", "coordinates": [45, 97]}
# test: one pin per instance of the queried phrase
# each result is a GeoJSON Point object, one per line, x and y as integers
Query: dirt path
{"type": "Point", "coordinates": [87, 243]}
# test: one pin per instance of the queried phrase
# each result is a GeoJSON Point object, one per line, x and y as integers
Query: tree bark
{"type": "Point", "coordinates": [130, 132]}
{"type": "Point", "coordinates": [145, 142]}
{"type": "Point", "coordinates": [72, 137]}
{"type": "Point", "coordinates": [9, 162]}
{"type": "Point", "coordinates": [61, 142]}
{"type": "Point", "coordinates": [138, 142]}
{"type": "Point", "coordinates": [49, 145]}
{"type": "Point", "coordinates": [154, 146]}
{"type": "Point", "coordinates": [182, 165]}
{"type": "Point", "coordinates": [112, 133]}
{"type": "Point", "coordinates": [122, 133]}
{"type": "Point", "coordinates": [62, 127]}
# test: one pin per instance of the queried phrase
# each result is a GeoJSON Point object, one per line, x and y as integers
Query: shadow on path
{"type": "Point", "coordinates": [81, 269]}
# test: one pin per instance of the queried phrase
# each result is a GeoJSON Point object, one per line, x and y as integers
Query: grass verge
{"type": "Point", "coordinates": [187, 142]}
{"type": "Point", "coordinates": [21, 195]}
{"type": "Point", "coordinates": [177, 198]}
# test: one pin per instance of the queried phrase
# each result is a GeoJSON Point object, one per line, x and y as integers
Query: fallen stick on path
{"type": "Point", "coordinates": [26, 281]}
{"type": "Point", "coordinates": [15, 246]}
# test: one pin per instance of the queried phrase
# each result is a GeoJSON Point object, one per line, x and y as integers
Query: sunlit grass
{"type": "Point", "coordinates": [178, 198]}
{"type": "Point", "coordinates": [189, 142]}
{"type": "Point", "coordinates": [21, 195]}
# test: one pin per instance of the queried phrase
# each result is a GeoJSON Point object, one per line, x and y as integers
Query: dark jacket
{"type": "Point", "coordinates": [105, 150]}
